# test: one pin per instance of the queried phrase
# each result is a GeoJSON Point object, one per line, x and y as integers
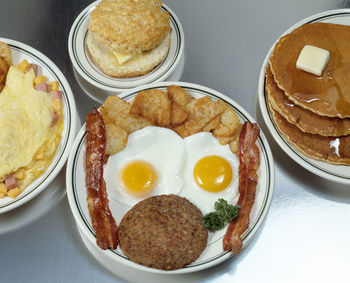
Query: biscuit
{"type": "Point", "coordinates": [129, 26]}
{"type": "Point", "coordinates": [138, 66]}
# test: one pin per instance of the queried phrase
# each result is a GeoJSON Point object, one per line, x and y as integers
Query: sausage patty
{"type": "Point", "coordinates": [164, 232]}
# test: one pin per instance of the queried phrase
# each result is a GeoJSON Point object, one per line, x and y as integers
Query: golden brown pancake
{"type": "Point", "coordinates": [329, 94]}
{"type": "Point", "coordinates": [330, 149]}
{"type": "Point", "coordinates": [304, 119]}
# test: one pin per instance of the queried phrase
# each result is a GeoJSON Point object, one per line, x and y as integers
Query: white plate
{"type": "Point", "coordinates": [46, 67]}
{"type": "Point", "coordinates": [100, 95]}
{"type": "Point", "coordinates": [213, 254]}
{"type": "Point", "coordinates": [91, 72]}
{"type": "Point", "coordinates": [337, 173]}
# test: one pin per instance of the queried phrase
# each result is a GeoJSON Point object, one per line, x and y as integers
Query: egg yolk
{"type": "Point", "coordinates": [213, 173]}
{"type": "Point", "coordinates": [138, 178]}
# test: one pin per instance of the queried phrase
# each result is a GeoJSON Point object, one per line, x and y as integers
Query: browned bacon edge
{"type": "Point", "coordinates": [249, 161]}
{"type": "Point", "coordinates": [101, 217]}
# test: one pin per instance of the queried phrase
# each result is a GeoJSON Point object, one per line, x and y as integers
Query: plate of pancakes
{"type": "Point", "coordinates": [158, 50]}
{"type": "Point", "coordinates": [172, 152]}
{"type": "Point", "coordinates": [23, 138]}
{"type": "Point", "coordinates": [309, 115]}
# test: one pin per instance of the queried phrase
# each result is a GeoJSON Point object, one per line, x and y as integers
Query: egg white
{"type": "Point", "coordinates": [196, 147]}
{"type": "Point", "coordinates": [162, 148]}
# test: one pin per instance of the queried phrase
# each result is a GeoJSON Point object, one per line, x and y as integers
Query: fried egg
{"type": "Point", "coordinates": [210, 172]}
{"type": "Point", "coordinates": [150, 164]}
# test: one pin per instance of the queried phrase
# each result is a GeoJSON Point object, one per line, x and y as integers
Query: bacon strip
{"type": "Point", "coordinates": [101, 216]}
{"type": "Point", "coordinates": [249, 158]}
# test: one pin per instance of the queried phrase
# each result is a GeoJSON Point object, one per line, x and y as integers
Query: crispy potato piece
{"type": "Point", "coordinates": [222, 131]}
{"type": "Point", "coordinates": [105, 115]}
{"type": "Point", "coordinates": [115, 111]}
{"type": "Point", "coordinates": [234, 143]}
{"type": "Point", "coordinates": [225, 140]}
{"type": "Point", "coordinates": [179, 94]}
{"type": "Point", "coordinates": [211, 125]}
{"type": "Point", "coordinates": [153, 104]}
{"type": "Point", "coordinates": [229, 117]}
{"type": "Point", "coordinates": [201, 111]}
{"type": "Point", "coordinates": [115, 104]}
{"type": "Point", "coordinates": [5, 53]}
{"type": "Point", "coordinates": [131, 123]}
{"type": "Point", "coordinates": [229, 122]}
{"type": "Point", "coordinates": [3, 70]}
{"type": "Point", "coordinates": [178, 114]}
{"type": "Point", "coordinates": [181, 131]}
{"type": "Point", "coordinates": [116, 138]}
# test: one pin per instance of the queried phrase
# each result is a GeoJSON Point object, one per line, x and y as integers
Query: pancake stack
{"type": "Point", "coordinates": [312, 112]}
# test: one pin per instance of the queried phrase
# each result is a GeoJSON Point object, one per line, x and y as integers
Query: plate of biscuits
{"type": "Point", "coordinates": [118, 45]}
{"type": "Point", "coordinates": [304, 93]}
{"type": "Point", "coordinates": [169, 178]}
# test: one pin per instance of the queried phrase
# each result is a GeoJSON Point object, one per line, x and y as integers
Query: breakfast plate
{"type": "Point", "coordinates": [213, 253]}
{"type": "Point", "coordinates": [88, 70]}
{"type": "Point", "coordinates": [47, 68]}
{"type": "Point", "coordinates": [100, 95]}
{"type": "Point", "coordinates": [337, 173]}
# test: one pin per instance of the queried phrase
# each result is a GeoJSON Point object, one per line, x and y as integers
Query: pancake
{"type": "Point", "coordinates": [335, 150]}
{"type": "Point", "coordinates": [329, 94]}
{"type": "Point", "coordinates": [304, 119]}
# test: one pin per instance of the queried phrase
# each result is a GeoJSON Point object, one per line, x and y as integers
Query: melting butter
{"type": "Point", "coordinates": [313, 59]}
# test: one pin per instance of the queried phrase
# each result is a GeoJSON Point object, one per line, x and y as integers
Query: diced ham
{"type": "Point", "coordinates": [55, 119]}
{"type": "Point", "coordinates": [11, 182]}
{"type": "Point", "coordinates": [56, 94]}
{"type": "Point", "coordinates": [34, 67]}
{"type": "Point", "coordinates": [42, 87]}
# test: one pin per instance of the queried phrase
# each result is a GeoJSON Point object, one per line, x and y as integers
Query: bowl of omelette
{"type": "Point", "coordinates": [38, 122]}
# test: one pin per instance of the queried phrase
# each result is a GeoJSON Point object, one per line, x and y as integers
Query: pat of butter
{"type": "Point", "coordinates": [313, 59]}
{"type": "Point", "coordinates": [122, 57]}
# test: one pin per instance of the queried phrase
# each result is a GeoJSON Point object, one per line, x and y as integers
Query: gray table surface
{"type": "Point", "coordinates": [306, 235]}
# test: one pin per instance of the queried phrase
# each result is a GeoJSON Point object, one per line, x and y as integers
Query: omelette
{"type": "Point", "coordinates": [29, 137]}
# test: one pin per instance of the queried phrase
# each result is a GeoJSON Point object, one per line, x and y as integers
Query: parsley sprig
{"type": "Point", "coordinates": [223, 214]}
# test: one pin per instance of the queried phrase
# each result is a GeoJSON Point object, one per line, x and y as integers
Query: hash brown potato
{"type": "Point", "coordinates": [178, 94]}
{"type": "Point", "coordinates": [163, 232]}
{"type": "Point", "coordinates": [3, 72]}
{"type": "Point", "coordinates": [201, 111]}
{"type": "Point", "coordinates": [174, 108]}
{"type": "Point", "coordinates": [5, 62]}
{"type": "Point", "coordinates": [153, 104]}
{"type": "Point", "coordinates": [178, 114]}
{"type": "Point", "coordinates": [117, 138]}
{"type": "Point", "coordinates": [5, 53]}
